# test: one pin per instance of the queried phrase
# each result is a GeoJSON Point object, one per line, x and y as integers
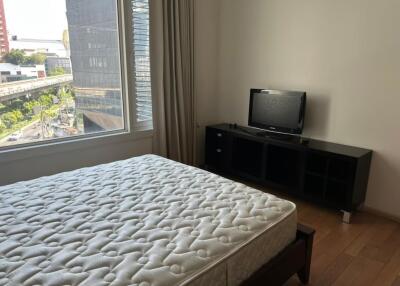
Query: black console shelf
{"type": "Point", "coordinates": [330, 174]}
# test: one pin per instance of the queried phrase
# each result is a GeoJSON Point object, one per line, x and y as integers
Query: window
{"type": "Point", "coordinates": [71, 84]}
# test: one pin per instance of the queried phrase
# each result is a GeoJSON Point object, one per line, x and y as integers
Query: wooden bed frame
{"type": "Point", "coordinates": [296, 258]}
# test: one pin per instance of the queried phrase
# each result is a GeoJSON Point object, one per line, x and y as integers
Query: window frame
{"type": "Point", "coordinates": [132, 130]}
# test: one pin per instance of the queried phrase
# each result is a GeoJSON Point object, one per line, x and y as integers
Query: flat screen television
{"type": "Point", "coordinates": [277, 110]}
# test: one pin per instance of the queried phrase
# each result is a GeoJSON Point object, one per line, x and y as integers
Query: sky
{"type": "Point", "coordinates": [38, 19]}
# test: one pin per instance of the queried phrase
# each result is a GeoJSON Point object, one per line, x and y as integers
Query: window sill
{"type": "Point", "coordinates": [80, 143]}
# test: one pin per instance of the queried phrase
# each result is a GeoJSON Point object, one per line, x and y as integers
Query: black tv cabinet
{"type": "Point", "coordinates": [326, 173]}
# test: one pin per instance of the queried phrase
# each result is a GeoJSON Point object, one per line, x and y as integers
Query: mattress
{"type": "Point", "coordinates": [146, 221]}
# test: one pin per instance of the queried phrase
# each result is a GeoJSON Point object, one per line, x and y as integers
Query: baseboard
{"type": "Point", "coordinates": [380, 213]}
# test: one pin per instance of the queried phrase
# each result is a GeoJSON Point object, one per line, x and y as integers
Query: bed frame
{"type": "Point", "coordinates": [296, 258]}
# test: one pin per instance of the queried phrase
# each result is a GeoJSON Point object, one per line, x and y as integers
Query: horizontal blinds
{"type": "Point", "coordinates": [141, 46]}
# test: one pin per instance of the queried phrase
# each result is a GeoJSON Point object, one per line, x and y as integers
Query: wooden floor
{"type": "Point", "coordinates": [367, 252]}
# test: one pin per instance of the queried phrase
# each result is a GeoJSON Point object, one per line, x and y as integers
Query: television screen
{"type": "Point", "coordinates": [278, 111]}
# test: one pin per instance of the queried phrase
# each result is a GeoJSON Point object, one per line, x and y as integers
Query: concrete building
{"type": "Point", "coordinates": [33, 46]}
{"type": "Point", "coordinates": [10, 72]}
{"type": "Point", "coordinates": [4, 44]}
{"type": "Point", "coordinates": [33, 71]}
{"type": "Point", "coordinates": [93, 36]}
{"type": "Point", "coordinates": [53, 63]}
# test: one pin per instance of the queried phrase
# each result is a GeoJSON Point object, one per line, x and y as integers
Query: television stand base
{"type": "Point", "coordinates": [346, 217]}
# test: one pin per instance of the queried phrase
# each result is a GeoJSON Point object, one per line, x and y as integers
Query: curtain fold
{"type": "Point", "coordinates": [172, 64]}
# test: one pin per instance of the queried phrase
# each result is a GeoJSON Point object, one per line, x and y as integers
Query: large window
{"type": "Point", "coordinates": [61, 70]}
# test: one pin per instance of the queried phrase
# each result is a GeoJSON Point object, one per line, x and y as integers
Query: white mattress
{"type": "Point", "coordinates": [144, 221]}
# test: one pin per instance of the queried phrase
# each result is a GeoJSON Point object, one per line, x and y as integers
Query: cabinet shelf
{"type": "Point", "coordinates": [327, 177]}
{"type": "Point", "coordinates": [327, 173]}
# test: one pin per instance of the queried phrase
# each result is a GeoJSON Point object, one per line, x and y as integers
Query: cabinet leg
{"type": "Point", "coordinates": [346, 217]}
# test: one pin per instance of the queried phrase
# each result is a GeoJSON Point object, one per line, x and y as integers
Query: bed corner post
{"type": "Point", "coordinates": [307, 234]}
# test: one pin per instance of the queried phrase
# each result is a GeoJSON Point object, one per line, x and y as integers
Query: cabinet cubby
{"type": "Point", "coordinates": [317, 163]}
{"type": "Point", "coordinates": [247, 156]}
{"type": "Point", "coordinates": [340, 169]}
{"type": "Point", "coordinates": [283, 166]}
{"type": "Point", "coordinates": [336, 192]}
{"type": "Point", "coordinates": [314, 186]}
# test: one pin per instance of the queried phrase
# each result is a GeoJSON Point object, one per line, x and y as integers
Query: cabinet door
{"type": "Point", "coordinates": [216, 148]}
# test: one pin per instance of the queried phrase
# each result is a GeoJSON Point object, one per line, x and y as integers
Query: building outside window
{"type": "Point", "coordinates": [97, 88]}
{"type": "Point", "coordinates": [3, 28]}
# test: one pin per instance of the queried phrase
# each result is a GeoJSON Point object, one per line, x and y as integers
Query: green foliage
{"type": "Point", "coordinates": [3, 127]}
{"type": "Point", "coordinates": [65, 96]}
{"type": "Point", "coordinates": [36, 59]}
{"type": "Point", "coordinates": [48, 114]}
{"type": "Point", "coordinates": [18, 57]}
{"type": "Point", "coordinates": [28, 107]}
{"type": "Point", "coordinates": [56, 71]}
{"type": "Point", "coordinates": [3, 108]}
{"type": "Point", "coordinates": [46, 100]}
{"type": "Point", "coordinates": [11, 118]}
{"type": "Point", "coordinates": [16, 104]}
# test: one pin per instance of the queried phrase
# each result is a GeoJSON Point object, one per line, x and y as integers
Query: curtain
{"type": "Point", "coordinates": [172, 64]}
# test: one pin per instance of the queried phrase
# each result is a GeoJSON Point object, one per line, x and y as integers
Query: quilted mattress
{"type": "Point", "coordinates": [146, 221]}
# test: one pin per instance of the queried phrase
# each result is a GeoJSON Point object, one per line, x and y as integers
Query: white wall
{"type": "Point", "coordinates": [344, 53]}
{"type": "Point", "coordinates": [30, 167]}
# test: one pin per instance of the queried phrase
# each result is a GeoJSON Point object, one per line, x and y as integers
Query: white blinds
{"type": "Point", "coordinates": [141, 45]}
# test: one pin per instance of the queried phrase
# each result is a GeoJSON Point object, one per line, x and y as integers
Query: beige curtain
{"type": "Point", "coordinates": [172, 56]}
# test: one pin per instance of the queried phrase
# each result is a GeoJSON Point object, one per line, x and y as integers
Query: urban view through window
{"type": "Point", "coordinates": [60, 68]}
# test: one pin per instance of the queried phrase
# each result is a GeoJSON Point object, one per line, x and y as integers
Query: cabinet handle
{"type": "Point", "coordinates": [219, 134]}
{"type": "Point", "coordinates": [219, 150]}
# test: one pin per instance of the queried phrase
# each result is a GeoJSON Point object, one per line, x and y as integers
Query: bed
{"type": "Point", "coordinates": [147, 221]}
